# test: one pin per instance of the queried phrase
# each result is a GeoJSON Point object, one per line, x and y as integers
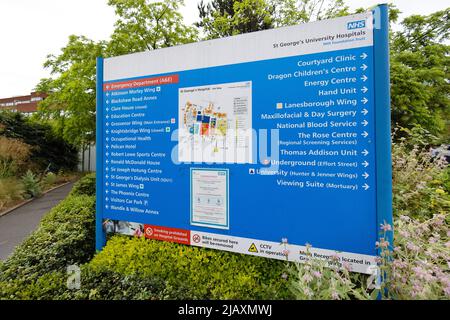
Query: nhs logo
{"type": "Point", "coordinates": [356, 24]}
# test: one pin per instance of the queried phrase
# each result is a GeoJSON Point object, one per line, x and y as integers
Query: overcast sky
{"type": "Point", "coordinates": [31, 29]}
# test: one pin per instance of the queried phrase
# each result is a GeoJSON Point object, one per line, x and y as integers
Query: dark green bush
{"type": "Point", "coordinates": [48, 149]}
{"type": "Point", "coordinates": [65, 236]}
{"type": "Point", "coordinates": [85, 186]}
{"type": "Point", "coordinates": [209, 274]}
{"type": "Point", "coordinates": [49, 286]}
{"type": "Point", "coordinates": [128, 268]}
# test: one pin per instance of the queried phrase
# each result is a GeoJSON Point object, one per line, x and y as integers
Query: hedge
{"type": "Point", "coordinates": [65, 236]}
{"type": "Point", "coordinates": [209, 274]}
{"type": "Point", "coordinates": [128, 268]}
{"type": "Point", "coordinates": [84, 186]}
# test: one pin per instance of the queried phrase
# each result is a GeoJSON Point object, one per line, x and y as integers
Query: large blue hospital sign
{"type": "Point", "coordinates": [260, 143]}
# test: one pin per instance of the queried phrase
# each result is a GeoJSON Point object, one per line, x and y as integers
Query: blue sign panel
{"type": "Point", "coordinates": [259, 144]}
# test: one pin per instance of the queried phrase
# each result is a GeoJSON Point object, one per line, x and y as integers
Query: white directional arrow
{"type": "Point", "coordinates": [107, 154]}
{"type": "Point", "coordinates": [364, 78]}
{"type": "Point", "coordinates": [366, 186]}
{"type": "Point", "coordinates": [107, 139]}
{"type": "Point", "coordinates": [107, 117]}
{"type": "Point", "coordinates": [363, 56]}
{"type": "Point", "coordinates": [365, 152]}
{"type": "Point", "coordinates": [107, 94]}
{"type": "Point", "coordinates": [106, 191]}
{"type": "Point", "coordinates": [365, 164]}
{"type": "Point", "coordinates": [365, 122]}
{"type": "Point", "coordinates": [364, 67]}
{"type": "Point", "coordinates": [107, 184]}
{"type": "Point", "coordinates": [106, 199]}
{"type": "Point", "coordinates": [107, 146]}
{"type": "Point", "coordinates": [107, 131]}
{"type": "Point", "coordinates": [364, 100]}
{"type": "Point", "coordinates": [106, 206]}
{"type": "Point", "coordinates": [365, 175]}
{"type": "Point", "coordinates": [107, 124]}
{"type": "Point", "coordinates": [364, 134]}
{"type": "Point", "coordinates": [364, 111]}
{"type": "Point", "coordinates": [107, 161]}
{"type": "Point", "coordinates": [364, 89]}
{"type": "Point", "coordinates": [107, 169]}
{"type": "Point", "coordinates": [106, 176]}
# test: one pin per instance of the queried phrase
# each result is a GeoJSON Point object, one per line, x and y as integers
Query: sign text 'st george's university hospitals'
{"type": "Point", "coordinates": [260, 143]}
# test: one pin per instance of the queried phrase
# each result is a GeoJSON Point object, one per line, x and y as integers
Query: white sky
{"type": "Point", "coordinates": [31, 29]}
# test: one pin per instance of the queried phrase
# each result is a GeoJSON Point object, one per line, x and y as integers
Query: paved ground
{"type": "Point", "coordinates": [18, 224]}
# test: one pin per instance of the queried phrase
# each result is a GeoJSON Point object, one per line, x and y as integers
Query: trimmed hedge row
{"type": "Point", "coordinates": [84, 186]}
{"type": "Point", "coordinates": [128, 268]}
{"type": "Point", "coordinates": [64, 237]}
{"type": "Point", "coordinates": [203, 273]}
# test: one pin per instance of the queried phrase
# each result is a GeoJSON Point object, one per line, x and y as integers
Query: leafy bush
{"type": "Point", "coordinates": [110, 285]}
{"type": "Point", "coordinates": [46, 147]}
{"type": "Point", "coordinates": [31, 185]}
{"type": "Point", "coordinates": [209, 274]}
{"type": "Point", "coordinates": [10, 190]}
{"type": "Point", "coordinates": [65, 236]}
{"type": "Point", "coordinates": [49, 180]}
{"type": "Point", "coordinates": [86, 186]}
{"type": "Point", "coordinates": [419, 182]}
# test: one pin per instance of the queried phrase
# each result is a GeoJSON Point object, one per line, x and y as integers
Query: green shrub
{"type": "Point", "coordinates": [110, 285]}
{"type": "Point", "coordinates": [209, 274]}
{"type": "Point", "coordinates": [64, 237]}
{"type": "Point", "coordinates": [419, 181]}
{"type": "Point", "coordinates": [86, 186]}
{"type": "Point", "coordinates": [49, 180]}
{"type": "Point", "coordinates": [50, 286]}
{"type": "Point", "coordinates": [31, 185]}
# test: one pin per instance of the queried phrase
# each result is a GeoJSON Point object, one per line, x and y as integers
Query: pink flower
{"type": "Point", "coordinates": [308, 292]}
{"type": "Point", "coordinates": [317, 274]}
{"type": "Point", "coordinates": [404, 234]}
{"type": "Point", "coordinates": [335, 295]}
{"type": "Point", "coordinates": [382, 243]}
{"type": "Point", "coordinates": [386, 227]}
{"type": "Point", "coordinates": [307, 278]}
{"type": "Point", "coordinates": [411, 246]}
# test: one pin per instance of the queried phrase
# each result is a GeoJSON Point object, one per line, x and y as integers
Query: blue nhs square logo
{"type": "Point", "coordinates": [356, 24]}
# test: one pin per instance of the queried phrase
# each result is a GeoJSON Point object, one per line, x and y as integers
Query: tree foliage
{"type": "Point", "coordinates": [222, 18]}
{"type": "Point", "coordinates": [290, 12]}
{"type": "Point", "coordinates": [141, 25]}
{"type": "Point", "coordinates": [419, 55]}
{"type": "Point", "coordinates": [420, 64]}
{"type": "Point", "coordinates": [70, 107]}
{"type": "Point", "coordinates": [147, 25]}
